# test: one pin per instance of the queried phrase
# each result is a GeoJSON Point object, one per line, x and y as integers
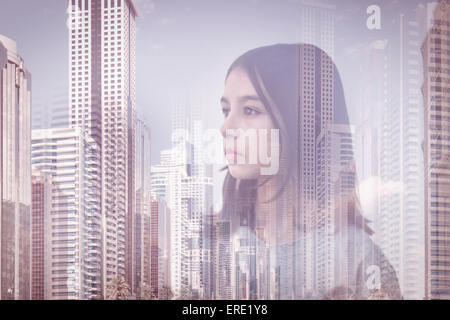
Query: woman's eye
{"type": "Point", "coordinates": [225, 111]}
{"type": "Point", "coordinates": [249, 111]}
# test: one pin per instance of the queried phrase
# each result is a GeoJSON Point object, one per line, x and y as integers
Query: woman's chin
{"type": "Point", "coordinates": [244, 172]}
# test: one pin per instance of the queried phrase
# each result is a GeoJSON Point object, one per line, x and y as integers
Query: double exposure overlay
{"type": "Point", "coordinates": [225, 150]}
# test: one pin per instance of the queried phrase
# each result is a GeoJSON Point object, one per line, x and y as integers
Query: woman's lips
{"type": "Point", "coordinates": [232, 156]}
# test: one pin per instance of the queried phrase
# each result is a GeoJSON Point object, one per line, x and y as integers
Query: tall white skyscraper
{"type": "Point", "coordinates": [186, 183]}
{"type": "Point", "coordinates": [316, 27]}
{"type": "Point", "coordinates": [389, 135]}
{"type": "Point", "coordinates": [142, 187]}
{"type": "Point", "coordinates": [102, 58]}
{"type": "Point", "coordinates": [73, 260]}
{"type": "Point", "coordinates": [399, 229]}
{"type": "Point", "coordinates": [316, 24]}
{"type": "Point", "coordinates": [372, 96]}
{"type": "Point", "coordinates": [159, 178]}
{"type": "Point", "coordinates": [178, 225]}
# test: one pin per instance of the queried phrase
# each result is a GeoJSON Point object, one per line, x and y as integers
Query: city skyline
{"type": "Point", "coordinates": [114, 184]}
{"type": "Point", "coordinates": [178, 28]}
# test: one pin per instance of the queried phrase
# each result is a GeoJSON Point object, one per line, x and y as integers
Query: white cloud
{"type": "Point", "coordinates": [166, 21]}
{"type": "Point", "coordinates": [372, 188]}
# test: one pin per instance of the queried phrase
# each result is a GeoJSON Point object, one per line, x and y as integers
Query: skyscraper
{"type": "Point", "coordinates": [178, 230]}
{"type": "Point", "coordinates": [51, 111]}
{"type": "Point", "coordinates": [317, 24]}
{"type": "Point", "coordinates": [400, 221]}
{"type": "Point", "coordinates": [435, 51]}
{"type": "Point", "coordinates": [317, 28]}
{"type": "Point", "coordinates": [142, 188]}
{"type": "Point", "coordinates": [185, 182]}
{"type": "Point", "coordinates": [73, 261]}
{"type": "Point", "coordinates": [40, 221]}
{"type": "Point", "coordinates": [158, 241]}
{"type": "Point", "coordinates": [334, 155]}
{"type": "Point", "coordinates": [221, 235]}
{"type": "Point", "coordinates": [373, 93]}
{"type": "Point", "coordinates": [15, 173]}
{"type": "Point", "coordinates": [102, 103]}
{"type": "Point", "coordinates": [160, 174]}
{"type": "Point", "coordinates": [389, 131]}
{"type": "Point", "coordinates": [314, 86]}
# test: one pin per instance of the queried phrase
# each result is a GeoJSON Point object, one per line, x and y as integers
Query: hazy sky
{"type": "Point", "coordinates": [184, 47]}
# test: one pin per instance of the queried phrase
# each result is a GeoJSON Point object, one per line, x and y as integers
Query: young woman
{"type": "Point", "coordinates": [290, 202]}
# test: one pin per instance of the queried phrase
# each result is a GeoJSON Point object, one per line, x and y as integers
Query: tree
{"type": "Point", "coordinates": [147, 292]}
{"type": "Point", "coordinates": [117, 289]}
{"type": "Point", "coordinates": [165, 293]}
{"type": "Point", "coordinates": [186, 294]}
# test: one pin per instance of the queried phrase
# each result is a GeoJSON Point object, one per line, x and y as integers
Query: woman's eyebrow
{"type": "Point", "coordinates": [251, 98]}
{"type": "Point", "coordinates": [224, 100]}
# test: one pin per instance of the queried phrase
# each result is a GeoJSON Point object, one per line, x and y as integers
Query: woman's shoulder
{"type": "Point", "coordinates": [368, 270]}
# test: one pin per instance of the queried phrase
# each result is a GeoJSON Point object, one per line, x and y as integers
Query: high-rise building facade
{"type": "Point", "coordinates": [160, 174]}
{"type": "Point", "coordinates": [158, 221]}
{"type": "Point", "coordinates": [436, 147]}
{"type": "Point", "coordinates": [51, 111]}
{"type": "Point", "coordinates": [334, 152]}
{"type": "Point", "coordinates": [102, 44]}
{"type": "Point", "coordinates": [185, 183]}
{"type": "Point", "coordinates": [389, 133]}
{"type": "Point", "coordinates": [40, 221]}
{"type": "Point", "coordinates": [15, 173]}
{"type": "Point", "coordinates": [178, 226]}
{"type": "Point", "coordinates": [317, 24]}
{"type": "Point", "coordinates": [73, 261]}
{"type": "Point", "coordinates": [221, 235]}
{"type": "Point", "coordinates": [316, 27]}
{"type": "Point", "coordinates": [399, 230]}
{"type": "Point", "coordinates": [373, 94]}
{"type": "Point", "coordinates": [314, 86]}
{"type": "Point", "coordinates": [142, 187]}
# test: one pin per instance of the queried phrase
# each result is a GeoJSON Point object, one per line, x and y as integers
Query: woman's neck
{"type": "Point", "coordinates": [266, 210]}
{"type": "Point", "coordinates": [276, 211]}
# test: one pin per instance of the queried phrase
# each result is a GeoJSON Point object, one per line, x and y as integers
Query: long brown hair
{"type": "Point", "coordinates": [274, 73]}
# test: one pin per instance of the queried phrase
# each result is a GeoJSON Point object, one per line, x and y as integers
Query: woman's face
{"type": "Point", "coordinates": [246, 120]}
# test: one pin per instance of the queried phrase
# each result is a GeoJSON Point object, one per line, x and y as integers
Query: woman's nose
{"type": "Point", "coordinates": [228, 123]}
